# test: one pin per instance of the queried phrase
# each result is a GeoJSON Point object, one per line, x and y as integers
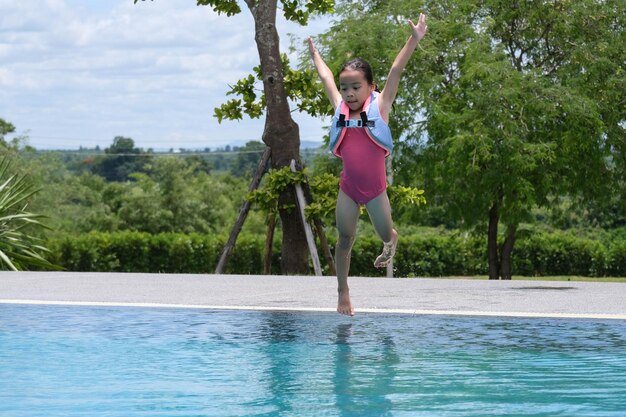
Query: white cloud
{"type": "Point", "coordinates": [79, 72]}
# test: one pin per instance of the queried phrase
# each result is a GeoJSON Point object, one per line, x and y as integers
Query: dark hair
{"type": "Point", "coordinates": [358, 64]}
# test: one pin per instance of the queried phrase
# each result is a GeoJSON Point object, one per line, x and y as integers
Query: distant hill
{"type": "Point", "coordinates": [309, 144]}
{"type": "Point", "coordinates": [232, 147]}
{"type": "Point", "coordinates": [305, 144]}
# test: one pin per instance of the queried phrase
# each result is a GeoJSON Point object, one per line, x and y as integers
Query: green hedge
{"type": "Point", "coordinates": [448, 254]}
{"type": "Point", "coordinates": [165, 253]}
{"type": "Point", "coordinates": [560, 254]}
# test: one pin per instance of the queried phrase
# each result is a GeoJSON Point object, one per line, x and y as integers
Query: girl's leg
{"type": "Point", "coordinates": [379, 210]}
{"type": "Point", "coordinates": [347, 215]}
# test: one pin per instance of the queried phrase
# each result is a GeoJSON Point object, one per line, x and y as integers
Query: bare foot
{"type": "Point", "coordinates": [389, 249]}
{"type": "Point", "coordinates": [344, 305]}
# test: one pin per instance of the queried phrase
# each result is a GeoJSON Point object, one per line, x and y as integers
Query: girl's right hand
{"type": "Point", "coordinates": [419, 30]}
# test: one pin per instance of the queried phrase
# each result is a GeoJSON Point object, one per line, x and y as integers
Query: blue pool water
{"type": "Point", "coordinates": [106, 361]}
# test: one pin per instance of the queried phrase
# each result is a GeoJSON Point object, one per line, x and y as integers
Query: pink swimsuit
{"type": "Point", "coordinates": [364, 176]}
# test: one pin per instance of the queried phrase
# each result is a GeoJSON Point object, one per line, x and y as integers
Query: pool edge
{"type": "Point", "coordinates": [469, 313]}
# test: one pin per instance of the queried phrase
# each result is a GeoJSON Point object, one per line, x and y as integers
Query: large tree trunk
{"type": "Point", "coordinates": [505, 254]}
{"type": "Point", "coordinates": [281, 132]}
{"type": "Point", "coordinates": [492, 242]}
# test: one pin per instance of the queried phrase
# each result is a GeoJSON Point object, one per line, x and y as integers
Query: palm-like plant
{"type": "Point", "coordinates": [18, 249]}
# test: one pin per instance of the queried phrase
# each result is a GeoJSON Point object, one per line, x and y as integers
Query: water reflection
{"type": "Point", "coordinates": [279, 335]}
{"type": "Point", "coordinates": [280, 331]}
{"type": "Point", "coordinates": [194, 362]}
{"type": "Point", "coordinates": [364, 374]}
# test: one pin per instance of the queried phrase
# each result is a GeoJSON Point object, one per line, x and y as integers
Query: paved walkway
{"type": "Point", "coordinates": [310, 293]}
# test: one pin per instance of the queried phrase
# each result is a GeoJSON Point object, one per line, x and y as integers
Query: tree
{"type": "Point", "coordinates": [122, 159]}
{"type": "Point", "coordinates": [5, 129]}
{"type": "Point", "coordinates": [18, 143]}
{"type": "Point", "coordinates": [281, 133]}
{"type": "Point", "coordinates": [510, 105]}
{"type": "Point", "coordinates": [184, 199]}
{"type": "Point", "coordinates": [247, 159]}
{"type": "Point", "coordinates": [173, 194]}
{"type": "Point", "coordinates": [20, 248]}
{"type": "Point", "coordinates": [71, 202]}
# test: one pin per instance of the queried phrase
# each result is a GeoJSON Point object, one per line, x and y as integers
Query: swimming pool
{"type": "Point", "coordinates": [123, 361]}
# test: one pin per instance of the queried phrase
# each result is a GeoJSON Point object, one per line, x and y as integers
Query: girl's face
{"type": "Point", "coordinates": [354, 88]}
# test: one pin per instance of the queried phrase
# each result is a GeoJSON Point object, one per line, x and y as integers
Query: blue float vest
{"type": "Point", "coordinates": [377, 129]}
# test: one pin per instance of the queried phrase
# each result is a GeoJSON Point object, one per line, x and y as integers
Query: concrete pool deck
{"type": "Point", "coordinates": [599, 300]}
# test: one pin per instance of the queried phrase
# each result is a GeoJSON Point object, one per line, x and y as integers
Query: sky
{"type": "Point", "coordinates": [80, 72]}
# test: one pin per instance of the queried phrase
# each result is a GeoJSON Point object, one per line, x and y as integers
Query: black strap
{"type": "Point", "coordinates": [342, 121]}
{"type": "Point", "coordinates": [364, 118]}
{"type": "Point", "coordinates": [355, 123]}
{"type": "Point", "coordinates": [368, 123]}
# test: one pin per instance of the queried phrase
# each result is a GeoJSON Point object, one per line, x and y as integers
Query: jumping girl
{"type": "Point", "coordinates": [360, 136]}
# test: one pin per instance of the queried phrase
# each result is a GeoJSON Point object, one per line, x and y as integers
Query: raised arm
{"type": "Point", "coordinates": [326, 76]}
{"type": "Point", "coordinates": [388, 95]}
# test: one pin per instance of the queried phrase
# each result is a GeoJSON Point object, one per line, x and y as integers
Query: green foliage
{"type": "Point", "coordinates": [506, 105]}
{"type": "Point", "coordinates": [5, 129]}
{"type": "Point", "coordinates": [18, 143]}
{"type": "Point", "coordinates": [231, 110]}
{"type": "Point", "coordinates": [19, 247]}
{"type": "Point", "coordinates": [439, 253]}
{"type": "Point", "coordinates": [324, 189]}
{"type": "Point", "coordinates": [298, 11]}
{"type": "Point", "coordinates": [172, 194]}
{"type": "Point", "coordinates": [144, 211]}
{"type": "Point", "coordinates": [274, 182]}
{"type": "Point", "coordinates": [157, 253]}
{"type": "Point", "coordinates": [301, 87]}
{"type": "Point", "coordinates": [71, 203]}
{"type": "Point", "coordinates": [561, 254]}
{"type": "Point", "coordinates": [616, 259]}
{"type": "Point", "coordinates": [228, 7]}
{"type": "Point", "coordinates": [519, 101]}
{"type": "Point", "coordinates": [400, 195]}
{"type": "Point", "coordinates": [171, 198]}
{"type": "Point", "coordinates": [122, 159]}
{"type": "Point", "coordinates": [247, 159]}
{"type": "Point", "coordinates": [448, 255]}
{"type": "Point", "coordinates": [122, 145]}
{"type": "Point", "coordinates": [293, 10]}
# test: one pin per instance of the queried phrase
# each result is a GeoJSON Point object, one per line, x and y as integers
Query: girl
{"type": "Point", "coordinates": [360, 136]}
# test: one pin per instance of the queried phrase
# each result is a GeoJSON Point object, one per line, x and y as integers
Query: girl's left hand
{"type": "Point", "coordinates": [312, 48]}
{"type": "Point", "coordinates": [419, 30]}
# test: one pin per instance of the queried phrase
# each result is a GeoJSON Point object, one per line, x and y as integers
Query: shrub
{"type": "Point", "coordinates": [143, 252]}
{"type": "Point", "coordinates": [559, 254]}
{"type": "Point", "coordinates": [442, 254]}
{"type": "Point", "coordinates": [616, 259]}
